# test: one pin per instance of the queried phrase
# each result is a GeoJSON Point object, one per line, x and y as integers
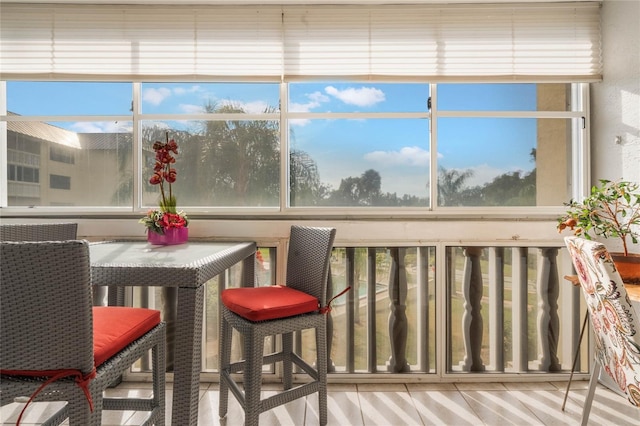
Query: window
{"type": "Point", "coordinates": [44, 98]}
{"type": "Point", "coordinates": [59, 182]}
{"type": "Point", "coordinates": [228, 137]}
{"type": "Point", "coordinates": [505, 144]}
{"type": "Point", "coordinates": [285, 108]}
{"type": "Point", "coordinates": [363, 146]}
{"type": "Point", "coordinates": [22, 142]}
{"type": "Point", "coordinates": [101, 168]}
{"type": "Point", "coordinates": [23, 174]}
{"type": "Point", "coordinates": [360, 163]}
{"type": "Point", "coordinates": [60, 154]}
{"type": "Point", "coordinates": [358, 145]}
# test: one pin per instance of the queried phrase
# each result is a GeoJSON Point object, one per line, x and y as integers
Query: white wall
{"type": "Point", "coordinates": [615, 102]}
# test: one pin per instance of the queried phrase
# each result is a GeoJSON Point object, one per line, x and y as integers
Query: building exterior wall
{"type": "Point", "coordinates": [553, 153]}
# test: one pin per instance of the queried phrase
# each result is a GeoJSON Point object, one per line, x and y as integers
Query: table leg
{"type": "Point", "coordinates": [188, 351]}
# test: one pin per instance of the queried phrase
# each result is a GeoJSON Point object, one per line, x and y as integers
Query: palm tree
{"type": "Point", "coordinates": [450, 184]}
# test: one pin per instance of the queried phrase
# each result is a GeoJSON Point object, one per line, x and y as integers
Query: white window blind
{"type": "Point", "coordinates": [446, 42]}
{"type": "Point", "coordinates": [139, 42]}
{"type": "Point", "coordinates": [454, 42]}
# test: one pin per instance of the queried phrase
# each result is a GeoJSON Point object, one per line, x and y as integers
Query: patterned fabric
{"type": "Point", "coordinates": [615, 323]}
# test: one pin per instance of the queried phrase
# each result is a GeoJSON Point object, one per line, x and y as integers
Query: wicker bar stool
{"type": "Point", "coordinates": [258, 312]}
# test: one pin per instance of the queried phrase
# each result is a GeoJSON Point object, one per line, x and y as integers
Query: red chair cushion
{"type": "Point", "coordinates": [115, 327]}
{"type": "Point", "coordinates": [266, 303]}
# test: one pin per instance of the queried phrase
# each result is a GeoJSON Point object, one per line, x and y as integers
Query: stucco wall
{"type": "Point", "coordinates": [615, 102]}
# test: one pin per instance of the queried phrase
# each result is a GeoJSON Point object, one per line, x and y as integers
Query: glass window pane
{"type": "Point", "coordinates": [59, 182]}
{"type": "Point", "coordinates": [364, 163]}
{"type": "Point", "coordinates": [353, 97]}
{"type": "Point", "coordinates": [68, 98]}
{"type": "Point", "coordinates": [219, 163]}
{"type": "Point", "coordinates": [98, 171]}
{"type": "Point", "coordinates": [61, 153]}
{"type": "Point", "coordinates": [505, 97]}
{"type": "Point", "coordinates": [201, 98]}
{"type": "Point", "coordinates": [503, 161]}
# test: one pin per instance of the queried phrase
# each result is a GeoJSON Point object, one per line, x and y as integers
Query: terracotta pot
{"type": "Point", "coordinates": [628, 267]}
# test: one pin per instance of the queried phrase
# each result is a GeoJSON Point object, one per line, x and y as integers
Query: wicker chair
{"type": "Point", "coordinates": [258, 312]}
{"type": "Point", "coordinates": [38, 232]}
{"type": "Point", "coordinates": [59, 232]}
{"type": "Point", "coordinates": [57, 347]}
{"type": "Point", "coordinates": [615, 323]}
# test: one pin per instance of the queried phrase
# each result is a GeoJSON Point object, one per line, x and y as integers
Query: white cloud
{"type": "Point", "coordinates": [255, 107]}
{"type": "Point", "coordinates": [483, 173]}
{"type": "Point", "coordinates": [408, 155]}
{"type": "Point", "coordinates": [318, 97]}
{"type": "Point", "coordinates": [300, 122]}
{"type": "Point", "coordinates": [179, 91]}
{"type": "Point", "coordinates": [362, 97]}
{"type": "Point", "coordinates": [101, 127]}
{"type": "Point", "coordinates": [156, 96]}
{"type": "Point", "coordinates": [191, 109]}
{"type": "Point", "coordinates": [315, 100]}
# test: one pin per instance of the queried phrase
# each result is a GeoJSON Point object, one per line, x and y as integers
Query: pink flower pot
{"type": "Point", "coordinates": [171, 236]}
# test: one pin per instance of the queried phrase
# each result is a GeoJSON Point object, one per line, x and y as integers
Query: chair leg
{"type": "Point", "coordinates": [96, 415]}
{"type": "Point", "coordinates": [593, 382]}
{"type": "Point", "coordinates": [287, 367]}
{"type": "Point", "coordinates": [321, 363]}
{"type": "Point", "coordinates": [575, 359]}
{"type": "Point", "coordinates": [158, 367]}
{"type": "Point", "coordinates": [79, 412]}
{"type": "Point", "coordinates": [226, 333]}
{"type": "Point", "coordinates": [254, 351]}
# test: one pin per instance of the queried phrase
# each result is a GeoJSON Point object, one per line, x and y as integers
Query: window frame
{"type": "Point", "coordinates": [580, 161]}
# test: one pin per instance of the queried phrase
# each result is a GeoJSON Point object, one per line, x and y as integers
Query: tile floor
{"type": "Point", "coordinates": [413, 404]}
{"type": "Point", "coordinates": [428, 404]}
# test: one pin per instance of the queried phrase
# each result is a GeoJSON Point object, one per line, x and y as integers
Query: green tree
{"type": "Point", "coordinates": [239, 160]}
{"type": "Point", "coordinates": [450, 185]}
{"type": "Point", "coordinates": [305, 186]}
{"type": "Point", "coordinates": [508, 189]}
{"type": "Point", "coordinates": [370, 184]}
{"type": "Point", "coordinates": [363, 190]}
{"type": "Point", "coordinates": [237, 163]}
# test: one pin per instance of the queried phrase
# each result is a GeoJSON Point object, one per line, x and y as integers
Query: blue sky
{"type": "Point", "coordinates": [398, 148]}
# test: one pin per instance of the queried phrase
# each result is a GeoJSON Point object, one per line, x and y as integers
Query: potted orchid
{"type": "Point", "coordinates": [165, 225]}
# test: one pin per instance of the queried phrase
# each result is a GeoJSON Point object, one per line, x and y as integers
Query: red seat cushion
{"type": "Point", "coordinates": [115, 327]}
{"type": "Point", "coordinates": [265, 303]}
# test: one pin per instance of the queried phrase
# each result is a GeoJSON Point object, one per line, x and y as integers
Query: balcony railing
{"type": "Point", "coordinates": [432, 312]}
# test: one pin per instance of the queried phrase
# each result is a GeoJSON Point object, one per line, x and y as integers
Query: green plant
{"type": "Point", "coordinates": [611, 211]}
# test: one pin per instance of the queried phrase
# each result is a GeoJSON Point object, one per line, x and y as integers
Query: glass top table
{"type": "Point", "coordinates": [185, 268]}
